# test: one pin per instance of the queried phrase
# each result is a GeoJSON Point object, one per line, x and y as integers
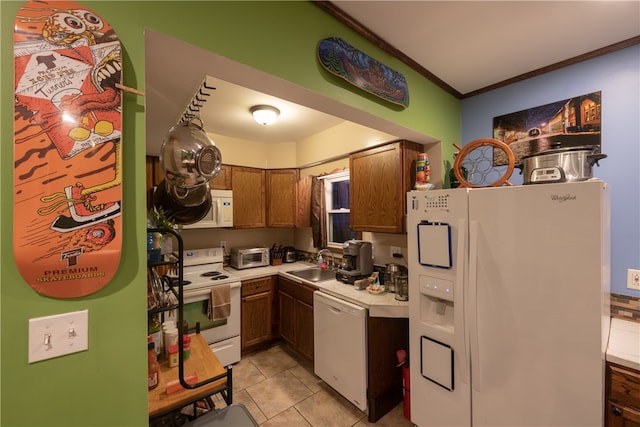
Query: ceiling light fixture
{"type": "Point", "coordinates": [265, 114]}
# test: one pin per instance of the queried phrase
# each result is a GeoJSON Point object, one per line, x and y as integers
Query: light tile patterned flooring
{"type": "Point", "coordinates": [279, 389]}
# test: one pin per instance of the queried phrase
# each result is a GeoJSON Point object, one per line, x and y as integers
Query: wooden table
{"type": "Point", "coordinates": [206, 365]}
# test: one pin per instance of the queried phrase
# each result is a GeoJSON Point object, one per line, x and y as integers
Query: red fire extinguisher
{"type": "Point", "coordinates": [406, 383]}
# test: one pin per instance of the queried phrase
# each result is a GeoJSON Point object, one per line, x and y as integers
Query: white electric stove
{"type": "Point", "coordinates": [203, 270]}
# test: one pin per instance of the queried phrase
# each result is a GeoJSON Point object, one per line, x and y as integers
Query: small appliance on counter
{"type": "Point", "coordinates": [249, 257]}
{"type": "Point", "coordinates": [289, 254]}
{"type": "Point", "coordinates": [402, 287]}
{"type": "Point", "coordinates": [280, 254]}
{"type": "Point", "coordinates": [357, 261]}
{"type": "Point", "coordinates": [394, 273]}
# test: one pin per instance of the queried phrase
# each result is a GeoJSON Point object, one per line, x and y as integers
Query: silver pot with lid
{"type": "Point", "coordinates": [189, 159]}
{"type": "Point", "coordinates": [565, 164]}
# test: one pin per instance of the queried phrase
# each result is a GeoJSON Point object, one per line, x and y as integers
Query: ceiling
{"type": "Point", "coordinates": [471, 45]}
{"type": "Point", "coordinates": [466, 45]}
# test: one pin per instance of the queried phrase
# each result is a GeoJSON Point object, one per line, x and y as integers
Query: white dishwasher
{"type": "Point", "coordinates": [340, 346]}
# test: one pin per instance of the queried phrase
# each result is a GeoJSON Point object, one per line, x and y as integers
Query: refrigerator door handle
{"type": "Point", "coordinates": [463, 338]}
{"type": "Point", "coordinates": [473, 305]}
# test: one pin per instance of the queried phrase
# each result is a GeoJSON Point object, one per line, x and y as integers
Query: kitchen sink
{"type": "Point", "coordinates": [314, 274]}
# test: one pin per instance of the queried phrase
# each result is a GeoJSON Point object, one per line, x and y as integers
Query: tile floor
{"type": "Point", "coordinates": [280, 389]}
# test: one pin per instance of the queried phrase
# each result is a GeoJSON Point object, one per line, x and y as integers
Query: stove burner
{"type": "Point", "coordinates": [210, 274]}
{"type": "Point", "coordinates": [220, 277]}
{"type": "Point", "coordinates": [174, 282]}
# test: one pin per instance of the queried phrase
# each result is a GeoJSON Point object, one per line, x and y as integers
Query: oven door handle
{"type": "Point", "coordinates": [206, 291]}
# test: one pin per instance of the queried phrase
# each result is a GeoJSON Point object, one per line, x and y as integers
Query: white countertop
{"type": "Point", "coordinates": [384, 305]}
{"type": "Point", "coordinates": [624, 343]}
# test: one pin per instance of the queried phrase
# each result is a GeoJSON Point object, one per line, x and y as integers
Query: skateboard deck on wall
{"type": "Point", "coordinates": [356, 67]}
{"type": "Point", "coordinates": [67, 193]}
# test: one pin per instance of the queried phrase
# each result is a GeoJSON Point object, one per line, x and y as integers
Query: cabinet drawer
{"type": "Point", "coordinates": [256, 286]}
{"type": "Point", "coordinates": [299, 291]}
{"type": "Point", "coordinates": [625, 385]}
{"type": "Point", "coordinates": [621, 416]}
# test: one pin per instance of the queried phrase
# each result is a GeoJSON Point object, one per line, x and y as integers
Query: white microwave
{"type": "Point", "coordinates": [221, 212]}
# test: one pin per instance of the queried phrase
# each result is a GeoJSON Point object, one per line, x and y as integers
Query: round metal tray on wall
{"type": "Point", "coordinates": [477, 158]}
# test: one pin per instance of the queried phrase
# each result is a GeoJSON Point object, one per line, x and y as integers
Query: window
{"type": "Point", "coordinates": [336, 192]}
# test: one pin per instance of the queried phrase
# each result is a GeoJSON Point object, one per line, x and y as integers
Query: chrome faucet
{"type": "Point", "coordinates": [321, 253]}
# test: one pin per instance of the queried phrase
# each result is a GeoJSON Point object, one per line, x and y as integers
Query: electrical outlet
{"type": "Point", "coordinates": [57, 335]}
{"type": "Point", "coordinates": [633, 279]}
{"type": "Point", "coordinates": [223, 245]}
{"type": "Point", "coordinates": [395, 250]}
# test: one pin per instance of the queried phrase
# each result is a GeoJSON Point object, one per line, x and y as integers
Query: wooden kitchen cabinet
{"type": "Point", "coordinates": [303, 315]}
{"type": "Point", "coordinates": [384, 378]}
{"type": "Point", "coordinates": [154, 171]}
{"type": "Point", "coordinates": [248, 185]}
{"type": "Point", "coordinates": [303, 202]}
{"type": "Point", "coordinates": [622, 396]}
{"type": "Point", "coordinates": [286, 327]}
{"type": "Point", "coordinates": [222, 181]}
{"type": "Point", "coordinates": [257, 311]}
{"type": "Point", "coordinates": [379, 179]}
{"type": "Point", "coordinates": [296, 316]}
{"type": "Point", "coordinates": [154, 177]}
{"type": "Point", "coordinates": [281, 197]}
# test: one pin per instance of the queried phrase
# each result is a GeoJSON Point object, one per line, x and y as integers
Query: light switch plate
{"type": "Point", "coordinates": [57, 335]}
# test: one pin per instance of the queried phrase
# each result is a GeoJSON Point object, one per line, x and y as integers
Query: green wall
{"type": "Point", "coordinates": [105, 386]}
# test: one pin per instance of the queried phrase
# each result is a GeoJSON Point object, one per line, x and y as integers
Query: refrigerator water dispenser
{"type": "Point", "coordinates": [436, 302]}
{"type": "Point", "coordinates": [437, 312]}
{"type": "Point", "coordinates": [436, 287]}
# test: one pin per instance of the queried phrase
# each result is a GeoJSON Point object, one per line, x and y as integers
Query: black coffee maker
{"type": "Point", "coordinates": [357, 261]}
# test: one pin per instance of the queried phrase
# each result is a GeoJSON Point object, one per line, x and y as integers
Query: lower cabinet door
{"type": "Point", "coordinates": [256, 319]}
{"type": "Point", "coordinates": [621, 416]}
{"type": "Point", "coordinates": [304, 329]}
{"type": "Point", "coordinates": [286, 326]}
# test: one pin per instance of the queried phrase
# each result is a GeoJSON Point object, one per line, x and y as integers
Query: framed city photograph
{"type": "Point", "coordinates": [570, 122]}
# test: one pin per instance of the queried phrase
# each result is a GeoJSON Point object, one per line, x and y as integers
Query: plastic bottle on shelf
{"type": "Point", "coordinates": [166, 325]}
{"type": "Point", "coordinates": [170, 338]}
{"type": "Point", "coordinates": [423, 173]}
{"type": "Point", "coordinates": [155, 332]}
{"type": "Point", "coordinates": [153, 375]}
{"type": "Point", "coordinates": [186, 346]}
{"type": "Point", "coordinates": [173, 356]}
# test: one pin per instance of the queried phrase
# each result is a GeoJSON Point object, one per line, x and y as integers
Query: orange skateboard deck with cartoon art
{"type": "Point", "coordinates": [67, 223]}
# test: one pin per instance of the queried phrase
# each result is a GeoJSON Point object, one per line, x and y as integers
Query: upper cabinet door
{"type": "Point", "coordinates": [281, 197]}
{"type": "Point", "coordinates": [222, 181]}
{"type": "Point", "coordinates": [248, 185]}
{"type": "Point", "coordinates": [154, 177]}
{"type": "Point", "coordinates": [380, 178]}
{"type": "Point", "coordinates": [303, 202]}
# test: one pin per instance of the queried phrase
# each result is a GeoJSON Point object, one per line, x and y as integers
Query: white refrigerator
{"type": "Point", "coordinates": [509, 304]}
